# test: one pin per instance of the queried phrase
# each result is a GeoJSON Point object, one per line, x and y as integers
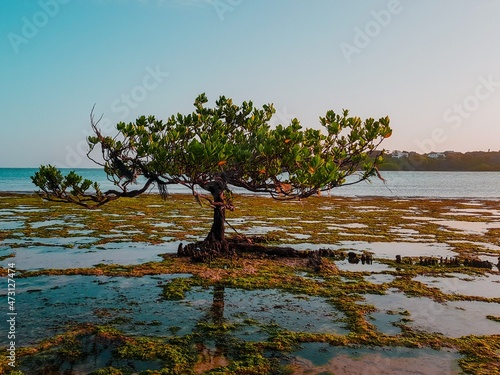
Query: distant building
{"type": "Point", "coordinates": [436, 155]}
{"type": "Point", "coordinates": [399, 154]}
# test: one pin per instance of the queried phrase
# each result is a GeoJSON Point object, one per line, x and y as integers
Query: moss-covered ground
{"type": "Point", "coordinates": [251, 314]}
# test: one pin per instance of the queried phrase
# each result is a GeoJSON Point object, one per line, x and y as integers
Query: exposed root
{"type": "Point", "coordinates": [207, 250]}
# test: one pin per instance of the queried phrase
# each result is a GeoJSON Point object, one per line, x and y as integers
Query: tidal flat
{"type": "Point", "coordinates": [103, 291]}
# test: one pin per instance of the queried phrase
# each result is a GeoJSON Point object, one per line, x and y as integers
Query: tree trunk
{"type": "Point", "coordinates": [217, 232]}
{"type": "Point", "coordinates": [215, 243]}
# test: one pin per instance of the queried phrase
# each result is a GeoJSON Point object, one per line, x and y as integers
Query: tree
{"type": "Point", "coordinates": [216, 148]}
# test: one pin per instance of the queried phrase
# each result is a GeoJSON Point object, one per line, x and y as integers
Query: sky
{"type": "Point", "coordinates": [432, 66]}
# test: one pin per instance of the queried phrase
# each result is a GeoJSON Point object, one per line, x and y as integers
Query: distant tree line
{"type": "Point", "coordinates": [447, 161]}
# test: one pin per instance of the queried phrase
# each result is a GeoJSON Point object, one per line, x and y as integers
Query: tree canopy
{"type": "Point", "coordinates": [233, 144]}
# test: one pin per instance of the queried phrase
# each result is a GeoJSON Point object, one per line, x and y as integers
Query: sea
{"type": "Point", "coordinates": [398, 184]}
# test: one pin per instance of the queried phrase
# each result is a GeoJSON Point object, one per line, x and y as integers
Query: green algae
{"type": "Point", "coordinates": [481, 354]}
{"type": "Point", "coordinates": [175, 358]}
{"type": "Point", "coordinates": [176, 289]}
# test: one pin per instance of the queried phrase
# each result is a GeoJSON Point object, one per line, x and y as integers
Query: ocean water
{"type": "Point", "coordinates": [19, 179]}
{"type": "Point", "coordinates": [479, 185]}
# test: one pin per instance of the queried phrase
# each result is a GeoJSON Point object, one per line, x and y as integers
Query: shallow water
{"type": "Point", "coordinates": [389, 250]}
{"type": "Point", "coordinates": [51, 241]}
{"type": "Point", "coordinates": [347, 225]}
{"type": "Point", "coordinates": [11, 225]}
{"type": "Point", "coordinates": [452, 319]}
{"type": "Point", "coordinates": [484, 286]}
{"type": "Point", "coordinates": [470, 227]}
{"type": "Point", "coordinates": [58, 257]}
{"type": "Point", "coordinates": [50, 224]}
{"type": "Point", "coordinates": [48, 305]}
{"type": "Point", "coordinates": [320, 358]}
{"type": "Point", "coordinates": [404, 232]}
{"type": "Point", "coordinates": [385, 322]}
{"type": "Point", "coordinates": [261, 229]}
{"type": "Point", "coordinates": [474, 212]}
{"type": "Point", "coordinates": [344, 265]}
{"type": "Point", "coordinates": [97, 353]}
{"type": "Point", "coordinates": [289, 311]}
{"type": "Point", "coordinates": [379, 278]}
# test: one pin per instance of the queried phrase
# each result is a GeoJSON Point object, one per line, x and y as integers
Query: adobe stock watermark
{"type": "Point", "coordinates": [31, 26]}
{"type": "Point", "coordinates": [282, 117]}
{"type": "Point", "coordinates": [121, 106]}
{"type": "Point", "coordinates": [221, 7]}
{"type": "Point", "coordinates": [458, 112]}
{"type": "Point", "coordinates": [363, 36]}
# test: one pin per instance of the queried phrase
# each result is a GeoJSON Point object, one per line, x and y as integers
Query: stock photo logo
{"type": "Point", "coordinates": [455, 115]}
{"type": "Point", "coordinates": [32, 25]}
{"type": "Point", "coordinates": [121, 106]}
{"type": "Point", "coordinates": [363, 36]}
{"type": "Point", "coordinates": [221, 7]}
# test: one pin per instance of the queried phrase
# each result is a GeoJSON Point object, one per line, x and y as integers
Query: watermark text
{"type": "Point", "coordinates": [31, 26]}
{"type": "Point", "coordinates": [11, 314]}
{"type": "Point", "coordinates": [363, 36]}
{"type": "Point", "coordinates": [221, 7]}
{"type": "Point", "coordinates": [121, 106]}
{"type": "Point", "coordinates": [455, 115]}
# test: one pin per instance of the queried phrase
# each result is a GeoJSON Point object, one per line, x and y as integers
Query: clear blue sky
{"type": "Point", "coordinates": [432, 66]}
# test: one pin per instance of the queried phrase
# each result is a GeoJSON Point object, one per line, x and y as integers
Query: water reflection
{"type": "Point", "coordinates": [320, 358]}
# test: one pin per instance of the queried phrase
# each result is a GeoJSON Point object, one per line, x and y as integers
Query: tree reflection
{"type": "Point", "coordinates": [217, 309]}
